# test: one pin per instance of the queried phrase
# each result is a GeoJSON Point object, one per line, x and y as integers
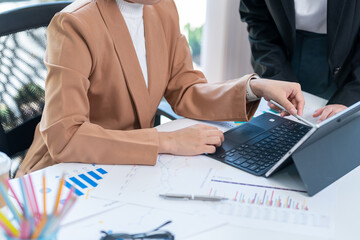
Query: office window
{"type": "Point", "coordinates": [6, 5]}
{"type": "Point", "coordinates": [192, 20]}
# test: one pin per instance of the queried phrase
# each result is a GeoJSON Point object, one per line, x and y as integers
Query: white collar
{"type": "Point", "coordinates": [128, 9]}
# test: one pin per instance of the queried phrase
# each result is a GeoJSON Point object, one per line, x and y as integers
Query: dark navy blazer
{"type": "Point", "coordinates": [272, 34]}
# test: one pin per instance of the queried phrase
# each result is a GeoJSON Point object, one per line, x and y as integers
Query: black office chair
{"type": "Point", "coordinates": [22, 77]}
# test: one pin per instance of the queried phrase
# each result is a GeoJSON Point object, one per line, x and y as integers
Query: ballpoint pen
{"type": "Point", "coordinates": [192, 197]}
{"type": "Point", "coordinates": [296, 115]}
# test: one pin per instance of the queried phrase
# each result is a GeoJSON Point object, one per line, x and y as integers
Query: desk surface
{"type": "Point", "coordinates": [126, 200]}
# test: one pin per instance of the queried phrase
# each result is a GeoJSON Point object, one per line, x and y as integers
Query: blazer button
{"type": "Point", "coordinates": [336, 70]}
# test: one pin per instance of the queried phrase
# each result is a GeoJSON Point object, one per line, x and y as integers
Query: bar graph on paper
{"type": "Point", "coordinates": [266, 198]}
{"type": "Point", "coordinates": [270, 204]}
{"type": "Point", "coordinates": [85, 179]}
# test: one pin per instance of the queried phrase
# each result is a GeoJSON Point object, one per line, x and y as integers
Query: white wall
{"type": "Point", "coordinates": [225, 48]}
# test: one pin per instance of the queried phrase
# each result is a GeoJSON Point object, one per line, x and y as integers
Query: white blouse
{"type": "Point", "coordinates": [133, 16]}
{"type": "Point", "coordinates": [311, 15]}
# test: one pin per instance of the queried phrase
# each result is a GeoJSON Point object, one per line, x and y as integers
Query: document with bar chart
{"type": "Point", "coordinates": [85, 178]}
{"type": "Point", "coordinates": [276, 203]}
{"type": "Point", "coordinates": [280, 202]}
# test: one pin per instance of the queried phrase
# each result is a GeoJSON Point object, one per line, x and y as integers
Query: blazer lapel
{"type": "Point", "coordinates": [128, 59]}
{"type": "Point", "coordinates": [289, 9]}
{"type": "Point", "coordinates": [156, 54]}
{"type": "Point", "coordinates": [283, 13]}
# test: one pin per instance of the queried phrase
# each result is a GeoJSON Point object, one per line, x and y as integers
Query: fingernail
{"type": "Point", "coordinates": [293, 111]}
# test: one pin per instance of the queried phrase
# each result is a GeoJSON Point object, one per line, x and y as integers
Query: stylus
{"type": "Point", "coordinates": [296, 115]}
{"type": "Point", "coordinates": [192, 197]}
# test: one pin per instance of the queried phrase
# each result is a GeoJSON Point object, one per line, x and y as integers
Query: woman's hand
{"type": "Point", "coordinates": [287, 94]}
{"type": "Point", "coordinates": [328, 111]}
{"type": "Point", "coordinates": [194, 140]}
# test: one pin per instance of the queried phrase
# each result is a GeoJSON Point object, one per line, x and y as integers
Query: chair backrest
{"type": "Point", "coordinates": [22, 72]}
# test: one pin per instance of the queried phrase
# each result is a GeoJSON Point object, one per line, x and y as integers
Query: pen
{"type": "Point", "coordinates": [296, 115]}
{"type": "Point", "coordinates": [192, 197]}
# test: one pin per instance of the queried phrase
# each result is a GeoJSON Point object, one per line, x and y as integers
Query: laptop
{"type": "Point", "coordinates": [266, 143]}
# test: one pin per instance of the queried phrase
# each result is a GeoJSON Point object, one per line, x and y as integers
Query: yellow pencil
{"type": "Point", "coordinates": [8, 224]}
{"type": "Point", "coordinates": [59, 194]}
{"type": "Point", "coordinates": [44, 193]}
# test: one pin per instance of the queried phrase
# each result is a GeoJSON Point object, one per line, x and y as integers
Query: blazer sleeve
{"type": "Point", "coordinates": [65, 126]}
{"type": "Point", "coordinates": [349, 92]}
{"type": "Point", "coordinates": [191, 96]}
{"type": "Point", "coordinates": [269, 58]}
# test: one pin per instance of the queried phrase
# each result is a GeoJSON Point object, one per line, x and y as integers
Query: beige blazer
{"type": "Point", "coordinates": [97, 106]}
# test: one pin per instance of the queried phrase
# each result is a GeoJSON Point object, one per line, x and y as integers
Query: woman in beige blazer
{"type": "Point", "coordinates": [98, 108]}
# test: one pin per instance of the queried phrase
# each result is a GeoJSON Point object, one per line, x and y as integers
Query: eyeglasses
{"type": "Point", "coordinates": [153, 234]}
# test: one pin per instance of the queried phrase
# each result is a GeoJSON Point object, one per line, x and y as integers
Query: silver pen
{"type": "Point", "coordinates": [175, 196]}
{"type": "Point", "coordinates": [296, 115]}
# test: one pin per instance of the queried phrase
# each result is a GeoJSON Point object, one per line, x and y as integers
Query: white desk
{"type": "Point", "coordinates": [129, 202]}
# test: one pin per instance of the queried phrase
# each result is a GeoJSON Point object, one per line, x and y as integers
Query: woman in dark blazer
{"type": "Point", "coordinates": [315, 43]}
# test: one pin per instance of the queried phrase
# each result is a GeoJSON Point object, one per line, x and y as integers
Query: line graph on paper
{"type": "Point", "coordinates": [170, 174]}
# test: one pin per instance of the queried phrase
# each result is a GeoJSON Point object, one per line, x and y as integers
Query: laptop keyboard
{"type": "Point", "coordinates": [261, 153]}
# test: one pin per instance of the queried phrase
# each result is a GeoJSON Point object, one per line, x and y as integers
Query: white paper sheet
{"type": "Point", "coordinates": [86, 204]}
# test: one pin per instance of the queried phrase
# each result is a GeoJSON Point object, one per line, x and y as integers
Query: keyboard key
{"type": "Point", "coordinates": [252, 154]}
{"type": "Point", "coordinates": [253, 167]}
{"type": "Point", "coordinates": [260, 163]}
{"type": "Point", "coordinates": [245, 165]}
{"type": "Point", "coordinates": [247, 157]}
{"type": "Point", "coordinates": [250, 161]}
{"type": "Point", "coordinates": [239, 161]}
{"type": "Point", "coordinates": [233, 157]}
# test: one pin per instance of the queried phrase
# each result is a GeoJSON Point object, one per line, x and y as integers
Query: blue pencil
{"type": "Point", "coordinates": [26, 204]}
{"type": "Point", "coordinates": [9, 203]}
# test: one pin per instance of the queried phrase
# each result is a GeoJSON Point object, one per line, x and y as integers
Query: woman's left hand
{"type": "Point", "coordinates": [328, 111]}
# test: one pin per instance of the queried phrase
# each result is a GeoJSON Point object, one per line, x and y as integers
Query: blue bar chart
{"type": "Point", "coordinates": [84, 181]}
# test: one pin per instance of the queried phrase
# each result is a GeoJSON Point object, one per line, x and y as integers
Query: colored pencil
{"type": "Point", "coordinates": [26, 208]}
{"type": "Point", "coordinates": [25, 229]}
{"type": "Point", "coordinates": [61, 184]}
{"type": "Point", "coordinates": [59, 217]}
{"type": "Point", "coordinates": [34, 196]}
{"type": "Point", "coordinates": [6, 224]}
{"type": "Point", "coordinates": [14, 194]}
{"type": "Point", "coordinates": [30, 200]}
{"type": "Point", "coordinates": [44, 193]}
{"type": "Point", "coordinates": [39, 225]}
{"type": "Point", "coordinates": [39, 228]}
{"type": "Point", "coordinates": [9, 203]}
{"type": "Point", "coordinates": [68, 197]}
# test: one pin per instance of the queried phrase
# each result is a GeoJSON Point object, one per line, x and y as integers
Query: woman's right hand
{"type": "Point", "coordinates": [287, 94]}
{"type": "Point", "coordinates": [193, 140]}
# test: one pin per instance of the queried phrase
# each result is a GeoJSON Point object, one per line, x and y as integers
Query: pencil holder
{"type": "Point", "coordinates": [52, 236]}
{"type": "Point", "coordinates": [27, 221]}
